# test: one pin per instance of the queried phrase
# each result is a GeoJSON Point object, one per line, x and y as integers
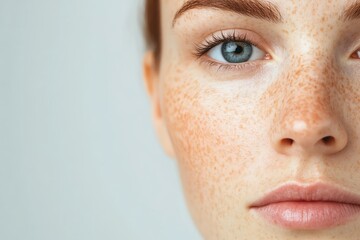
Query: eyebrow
{"type": "Point", "coordinates": [352, 12]}
{"type": "Point", "coordinates": [253, 8]}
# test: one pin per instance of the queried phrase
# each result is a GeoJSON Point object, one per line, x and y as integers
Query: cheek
{"type": "Point", "coordinates": [205, 125]}
{"type": "Point", "coordinates": [212, 130]}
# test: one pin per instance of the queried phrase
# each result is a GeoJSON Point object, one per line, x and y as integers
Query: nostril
{"type": "Point", "coordinates": [287, 142]}
{"type": "Point", "coordinates": [329, 140]}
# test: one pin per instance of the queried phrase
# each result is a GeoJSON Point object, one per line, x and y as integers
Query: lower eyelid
{"type": "Point", "coordinates": [218, 66]}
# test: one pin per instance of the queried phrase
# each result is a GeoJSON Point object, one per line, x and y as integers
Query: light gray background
{"type": "Point", "coordinates": [78, 155]}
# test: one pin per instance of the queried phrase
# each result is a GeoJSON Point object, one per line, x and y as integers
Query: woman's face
{"type": "Point", "coordinates": [253, 97]}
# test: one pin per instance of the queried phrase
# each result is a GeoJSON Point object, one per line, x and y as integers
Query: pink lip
{"type": "Point", "coordinates": [316, 206]}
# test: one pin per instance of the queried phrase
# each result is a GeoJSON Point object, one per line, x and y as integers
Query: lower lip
{"type": "Point", "coordinates": [308, 215]}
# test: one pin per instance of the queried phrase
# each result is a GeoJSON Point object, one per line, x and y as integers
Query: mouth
{"type": "Point", "coordinates": [315, 207]}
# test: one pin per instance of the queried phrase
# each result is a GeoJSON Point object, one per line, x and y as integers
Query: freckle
{"type": "Point", "coordinates": [285, 31]}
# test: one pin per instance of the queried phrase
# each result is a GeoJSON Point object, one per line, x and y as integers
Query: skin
{"type": "Point", "coordinates": [228, 129]}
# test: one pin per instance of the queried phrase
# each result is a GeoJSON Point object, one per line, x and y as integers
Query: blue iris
{"type": "Point", "coordinates": [236, 52]}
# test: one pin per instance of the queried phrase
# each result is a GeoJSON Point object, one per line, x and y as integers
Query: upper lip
{"type": "Point", "coordinates": [319, 192]}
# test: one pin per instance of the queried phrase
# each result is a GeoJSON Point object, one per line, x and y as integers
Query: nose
{"type": "Point", "coordinates": [307, 123]}
{"type": "Point", "coordinates": [324, 136]}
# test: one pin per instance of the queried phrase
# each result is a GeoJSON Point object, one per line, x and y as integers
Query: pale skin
{"type": "Point", "coordinates": [229, 127]}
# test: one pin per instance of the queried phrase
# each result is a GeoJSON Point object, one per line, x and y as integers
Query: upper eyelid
{"type": "Point", "coordinates": [239, 34]}
{"type": "Point", "coordinates": [214, 41]}
{"type": "Point", "coordinates": [231, 37]}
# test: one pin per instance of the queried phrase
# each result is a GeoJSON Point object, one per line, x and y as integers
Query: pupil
{"type": "Point", "coordinates": [239, 49]}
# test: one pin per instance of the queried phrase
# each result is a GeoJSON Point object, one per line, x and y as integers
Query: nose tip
{"type": "Point", "coordinates": [323, 137]}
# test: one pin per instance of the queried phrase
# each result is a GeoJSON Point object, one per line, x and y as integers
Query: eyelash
{"type": "Point", "coordinates": [203, 48]}
{"type": "Point", "coordinates": [215, 39]}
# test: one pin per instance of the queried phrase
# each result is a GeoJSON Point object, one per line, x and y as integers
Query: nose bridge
{"type": "Point", "coordinates": [307, 100]}
{"type": "Point", "coordinates": [308, 95]}
{"type": "Point", "coordinates": [306, 120]}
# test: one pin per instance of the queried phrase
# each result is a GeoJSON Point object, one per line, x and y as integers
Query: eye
{"type": "Point", "coordinates": [356, 54]}
{"type": "Point", "coordinates": [236, 52]}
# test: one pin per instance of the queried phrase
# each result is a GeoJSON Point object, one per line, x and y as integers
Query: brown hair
{"type": "Point", "coordinates": [152, 28]}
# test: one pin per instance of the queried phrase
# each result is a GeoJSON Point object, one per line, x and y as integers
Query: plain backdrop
{"type": "Point", "coordinates": [79, 158]}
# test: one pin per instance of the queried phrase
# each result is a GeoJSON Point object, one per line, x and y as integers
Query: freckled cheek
{"type": "Point", "coordinates": [196, 124]}
{"type": "Point", "coordinates": [210, 138]}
